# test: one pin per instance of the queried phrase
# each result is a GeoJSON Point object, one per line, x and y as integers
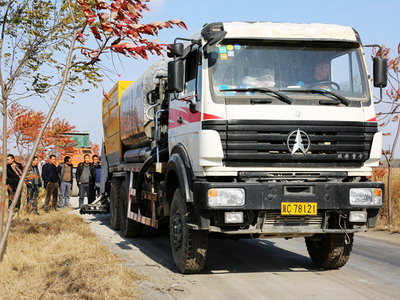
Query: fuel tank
{"type": "Point", "coordinates": [136, 127]}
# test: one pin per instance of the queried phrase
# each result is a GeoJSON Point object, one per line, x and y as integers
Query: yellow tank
{"type": "Point", "coordinates": [125, 122]}
{"type": "Point", "coordinates": [111, 122]}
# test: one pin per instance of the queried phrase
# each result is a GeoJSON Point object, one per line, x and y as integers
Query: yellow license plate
{"type": "Point", "coordinates": [298, 208]}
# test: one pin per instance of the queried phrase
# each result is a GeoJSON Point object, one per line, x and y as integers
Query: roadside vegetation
{"type": "Point", "coordinates": [388, 118]}
{"type": "Point", "coordinates": [384, 223]}
{"type": "Point", "coordinates": [56, 256]}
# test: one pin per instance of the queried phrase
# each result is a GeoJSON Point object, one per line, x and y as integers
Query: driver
{"type": "Point", "coordinates": [321, 71]}
{"type": "Point", "coordinates": [321, 75]}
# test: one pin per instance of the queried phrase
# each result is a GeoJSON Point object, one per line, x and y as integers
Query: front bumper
{"type": "Point", "coordinates": [268, 196]}
{"type": "Point", "coordinates": [263, 204]}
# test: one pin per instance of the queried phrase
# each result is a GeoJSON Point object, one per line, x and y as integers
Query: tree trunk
{"type": "Point", "coordinates": [389, 192]}
{"type": "Point", "coordinates": [4, 97]}
{"type": "Point", "coordinates": [6, 233]}
{"type": "Point", "coordinates": [3, 195]}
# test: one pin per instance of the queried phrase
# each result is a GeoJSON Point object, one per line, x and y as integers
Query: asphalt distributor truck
{"type": "Point", "coordinates": [248, 130]}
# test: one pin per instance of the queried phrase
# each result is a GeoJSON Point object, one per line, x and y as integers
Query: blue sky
{"type": "Point", "coordinates": [376, 22]}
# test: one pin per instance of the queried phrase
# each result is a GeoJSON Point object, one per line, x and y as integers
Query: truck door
{"type": "Point", "coordinates": [184, 112]}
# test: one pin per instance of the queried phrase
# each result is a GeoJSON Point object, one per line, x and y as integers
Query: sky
{"type": "Point", "coordinates": [377, 22]}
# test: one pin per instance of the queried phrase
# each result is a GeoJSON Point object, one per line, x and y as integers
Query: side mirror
{"type": "Point", "coordinates": [212, 33]}
{"type": "Point", "coordinates": [175, 50]}
{"type": "Point", "coordinates": [380, 71]}
{"type": "Point", "coordinates": [175, 76]}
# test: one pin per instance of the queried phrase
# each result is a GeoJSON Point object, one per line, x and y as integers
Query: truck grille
{"type": "Point", "coordinates": [275, 220]}
{"type": "Point", "coordinates": [265, 143]}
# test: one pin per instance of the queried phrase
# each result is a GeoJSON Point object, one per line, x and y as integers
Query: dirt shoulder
{"type": "Point", "coordinates": [57, 256]}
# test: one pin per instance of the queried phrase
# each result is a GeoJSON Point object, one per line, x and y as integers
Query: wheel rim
{"type": "Point", "coordinates": [177, 231]}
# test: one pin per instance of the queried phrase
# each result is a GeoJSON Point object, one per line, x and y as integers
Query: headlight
{"type": "Point", "coordinates": [234, 217]}
{"type": "Point", "coordinates": [365, 196]}
{"type": "Point", "coordinates": [226, 197]}
{"type": "Point", "coordinates": [358, 216]}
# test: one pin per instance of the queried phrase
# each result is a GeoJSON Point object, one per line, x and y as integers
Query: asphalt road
{"type": "Point", "coordinates": [259, 269]}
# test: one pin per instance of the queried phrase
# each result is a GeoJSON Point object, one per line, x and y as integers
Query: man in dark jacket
{"type": "Point", "coordinates": [14, 172]}
{"type": "Point", "coordinates": [85, 176]}
{"type": "Point", "coordinates": [33, 183]}
{"type": "Point", "coordinates": [94, 190]}
{"type": "Point", "coordinates": [51, 181]}
{"type": "Point", "coordinates": [66, 177]}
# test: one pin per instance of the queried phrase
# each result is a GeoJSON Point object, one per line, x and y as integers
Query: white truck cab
{"type": "Point", "coordinates": [278, 125]}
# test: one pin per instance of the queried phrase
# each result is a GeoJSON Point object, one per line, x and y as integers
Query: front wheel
{"type": "Point", "coordinates": [189, 247]}
{"type": "Point", "coordinates": [330, 251]}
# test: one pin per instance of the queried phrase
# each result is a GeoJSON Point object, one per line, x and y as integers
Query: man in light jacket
{"type": "Point", "coordinates": [66, 178]}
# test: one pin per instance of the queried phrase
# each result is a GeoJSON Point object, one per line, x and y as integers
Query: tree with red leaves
{"type": "Point", "coordinates": [116, 28]}
{"type": "Point", "coordinates": [80, 31]}
{"type": "Point", "coordinates": [25, 124]}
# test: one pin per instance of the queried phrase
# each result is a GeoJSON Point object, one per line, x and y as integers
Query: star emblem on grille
{"type": "Point", "coordinates": [298, 142]}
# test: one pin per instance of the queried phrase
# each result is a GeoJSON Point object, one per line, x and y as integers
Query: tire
{"type": "Point", "coordinates": [189, 247]}
{"type": "Point", "coordinates": [129, 228]}
{"type": "Point", "coordinates": [330, 251]}
{"type": "Point", "coordinates": [114, 203]}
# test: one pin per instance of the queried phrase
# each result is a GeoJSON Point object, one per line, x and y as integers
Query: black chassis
{"type": "Point", "coordinates": [264, 198]}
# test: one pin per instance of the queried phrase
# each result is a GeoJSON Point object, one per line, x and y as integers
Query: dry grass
{"type": "Point", "coordinates": [383, 222]}
{"type": "Point", "coordinates": [56, 256]}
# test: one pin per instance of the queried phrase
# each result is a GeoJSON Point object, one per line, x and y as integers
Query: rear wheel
{"type": "Point", "coordinates": [189, 247]}
{"type": "Point", "coordinates": [330, 251]}
{"type": "Point", "coordinates": [115, 203]}
{"type": "Point", "coordinates": [129, 228]}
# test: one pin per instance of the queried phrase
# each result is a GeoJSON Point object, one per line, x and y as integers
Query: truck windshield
{"type": "Point", "coordinates": [288, 66]}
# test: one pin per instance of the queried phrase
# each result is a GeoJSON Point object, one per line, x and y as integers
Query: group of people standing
{"type": "Point", "coordinates": [57, 180]}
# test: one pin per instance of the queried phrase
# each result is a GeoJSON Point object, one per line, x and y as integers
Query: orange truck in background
{"type": "Point", "coordinates": [82, 147]}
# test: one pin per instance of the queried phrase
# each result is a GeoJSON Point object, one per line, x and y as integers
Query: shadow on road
{"type": "Point", "coordinates": [224, 255]}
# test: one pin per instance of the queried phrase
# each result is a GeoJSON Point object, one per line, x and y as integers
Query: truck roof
{"type": "Point", "coordinates": [292, 31]}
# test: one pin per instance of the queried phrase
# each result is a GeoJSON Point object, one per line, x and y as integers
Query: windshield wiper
{"type": "Point", "coordinates": [278, 95]}
{"type": "Point", "coordinates": [341, 98]}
